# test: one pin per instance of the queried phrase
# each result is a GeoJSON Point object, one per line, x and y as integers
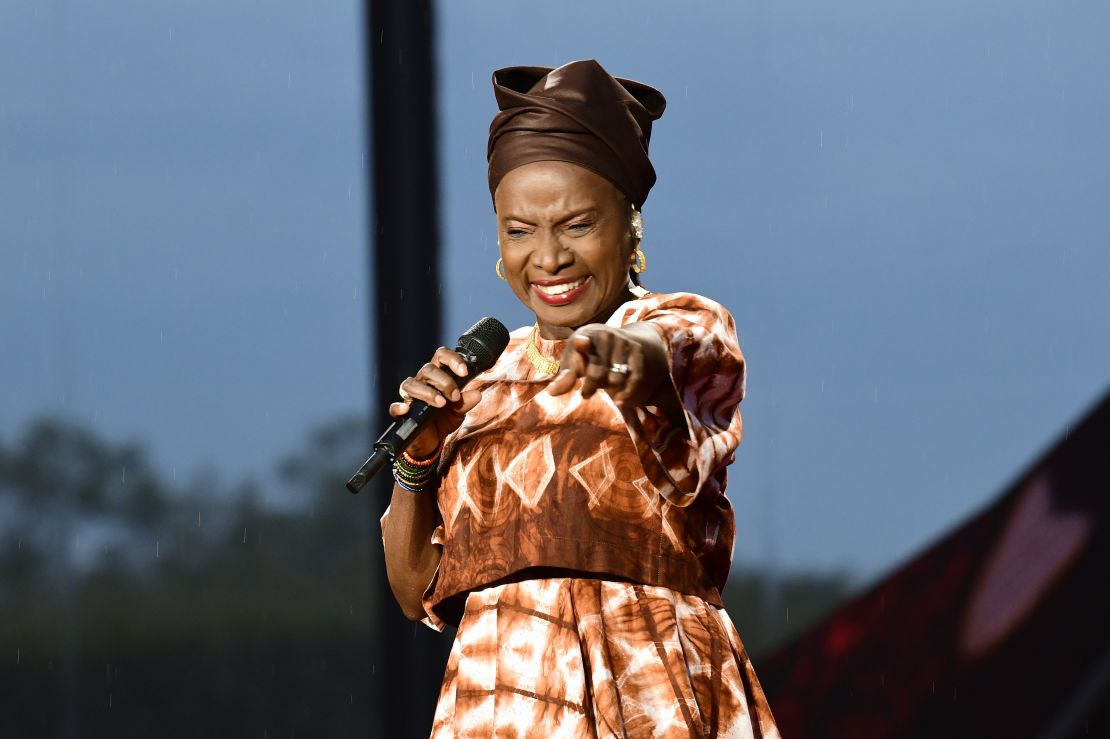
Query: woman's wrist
{"type": "Point", "coordinates": [660, 391]}
{"type": "Point", "coordinates": [413, 482]}
{"type": "Point", "coordinates": [418, 453]}
{"type": "Point", "coordinates": [420, 458]}
{"type": "Point", "coordinates": [417, 489]}
{"type": "Point", "coordinates": [416, 474]}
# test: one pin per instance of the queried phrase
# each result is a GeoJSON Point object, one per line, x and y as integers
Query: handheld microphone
{"type": "Point", "coordinates": [480, 346]}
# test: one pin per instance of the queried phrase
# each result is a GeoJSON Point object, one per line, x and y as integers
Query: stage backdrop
{"type": "Point", "coordinates": [997, 630]}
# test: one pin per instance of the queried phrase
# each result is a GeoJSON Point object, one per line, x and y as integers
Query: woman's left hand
{"type": "Point", "coordinates": [629, 363]}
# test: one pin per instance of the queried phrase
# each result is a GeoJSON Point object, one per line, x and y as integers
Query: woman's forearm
{"type": "Point", "coordinates": [410, 557]}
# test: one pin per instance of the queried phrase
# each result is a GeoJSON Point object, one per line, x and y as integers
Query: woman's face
{"type": "Point", "coordinates": [566, 242]}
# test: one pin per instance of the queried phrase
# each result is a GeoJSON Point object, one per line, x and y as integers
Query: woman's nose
{"type": "Point", "coordinates": [551, 256]}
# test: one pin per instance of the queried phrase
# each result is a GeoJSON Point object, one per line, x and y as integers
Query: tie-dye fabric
{"type": "Point", "coordinates": [584, 548]}
{"type": "Point", "coordinates": [576, 657]}
{"type": "Point", "coordinates": [532, 480]}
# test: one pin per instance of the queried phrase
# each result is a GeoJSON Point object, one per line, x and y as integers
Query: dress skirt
{"type": "Point", "coordinates": [571, 657]}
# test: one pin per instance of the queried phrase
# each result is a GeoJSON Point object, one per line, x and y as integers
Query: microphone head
{"type": "Point", "coordinates": [483, 343]}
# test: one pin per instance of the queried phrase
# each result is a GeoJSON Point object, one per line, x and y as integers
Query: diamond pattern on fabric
{"type": "Point", "coordinates": [595, 474]}
{"type": "Point", "coordinates": [530, 471]}
{"type": "Point", "coordinates": [650, 495]}
{"type": "Point", "coordinates": [463, 498]}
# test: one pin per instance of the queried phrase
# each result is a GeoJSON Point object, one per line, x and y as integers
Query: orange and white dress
{"type": "Point", "coordinates": [585, 547]}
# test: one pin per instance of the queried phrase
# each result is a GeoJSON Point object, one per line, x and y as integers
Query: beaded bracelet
{"type": "Point", "coordinates": [410, 482]}
{"type": "Point", "coordinates": [427, 461]}
{"type": "Point", "coordinates": [416, 473]}
{"type": "Point", "coordinates": [408, 487]}
{"type": "Point", "coordinates": [401, 474]}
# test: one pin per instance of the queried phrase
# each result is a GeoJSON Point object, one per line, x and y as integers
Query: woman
{"type": "Point", "coordinates": [567, 510]}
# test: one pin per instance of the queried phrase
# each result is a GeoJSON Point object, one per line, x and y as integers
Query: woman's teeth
{"type": "Point", "coordinates": [560, 289]}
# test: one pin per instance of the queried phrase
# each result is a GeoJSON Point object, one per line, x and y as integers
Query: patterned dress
{"type": "Point", "coordinates": [585, 547]}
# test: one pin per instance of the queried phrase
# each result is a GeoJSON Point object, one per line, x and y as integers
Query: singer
{"type": "Point", "coordinates": [566, 509]}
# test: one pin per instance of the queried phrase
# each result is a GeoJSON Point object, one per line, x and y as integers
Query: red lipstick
{"type": "Point", "coordinates": [562, 298]}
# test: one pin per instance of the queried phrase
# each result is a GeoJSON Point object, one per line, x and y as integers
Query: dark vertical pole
{"type": "Point", "coordinates": [405, 228]}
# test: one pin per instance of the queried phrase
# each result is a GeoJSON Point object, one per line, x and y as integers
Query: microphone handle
{"type": "Point", "coordinates": [398, 437]}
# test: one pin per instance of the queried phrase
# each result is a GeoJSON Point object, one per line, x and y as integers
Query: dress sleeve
{"type": "Point", "coordinates": [707, 375]}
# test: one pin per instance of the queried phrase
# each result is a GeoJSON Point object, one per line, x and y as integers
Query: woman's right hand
{"type": "Point", "coordinates": [436, 388]}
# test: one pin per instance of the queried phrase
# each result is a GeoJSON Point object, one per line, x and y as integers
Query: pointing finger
{"type": "Point", "coordinates": [576, 353]}
{"type": "Point", "coordinates": [562, 383]}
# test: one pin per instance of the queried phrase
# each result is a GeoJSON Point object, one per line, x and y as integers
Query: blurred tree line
{"type": "Point", "coordinates": [138, 605]}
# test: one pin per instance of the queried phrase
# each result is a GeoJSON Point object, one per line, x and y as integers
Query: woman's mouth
{"type": "Point", "coordinates": [561, 292]}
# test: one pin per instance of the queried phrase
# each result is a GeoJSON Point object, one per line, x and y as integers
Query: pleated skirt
{"type": "Point", "coordinates": [571, 657]}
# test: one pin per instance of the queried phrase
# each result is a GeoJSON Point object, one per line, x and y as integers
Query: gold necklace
{"type": "Point", "coordinates": [538, 360]}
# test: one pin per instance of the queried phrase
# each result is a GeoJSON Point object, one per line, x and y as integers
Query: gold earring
{"type": "Point", "coordinates": [639, 261]}
{"type": "Point", "coordinates": [498, 270]}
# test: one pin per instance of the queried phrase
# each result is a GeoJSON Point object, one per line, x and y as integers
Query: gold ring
{"type": "Point", "coordinates": [405, 397]}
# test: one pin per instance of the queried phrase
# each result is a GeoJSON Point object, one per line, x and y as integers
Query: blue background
{"type": "Point", "coordinates": [904, 205]}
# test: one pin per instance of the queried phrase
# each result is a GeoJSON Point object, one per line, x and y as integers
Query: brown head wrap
{"type": "Point", "coordinates": [577, 113]}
